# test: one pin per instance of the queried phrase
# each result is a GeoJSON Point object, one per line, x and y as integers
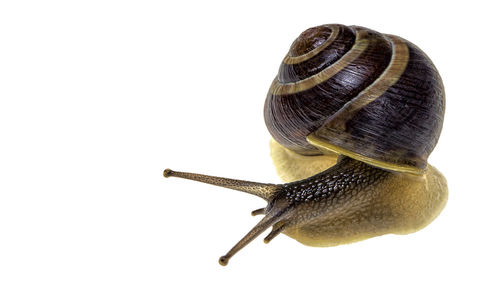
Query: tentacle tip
{"type": "Point", "coordinates": [168, 172]}
{"type": "Point", "coordinates": [223, 260]}
{"type": "Point", "coordinates": [259, 212]}
{"type": "Point", "coordinates": [266, 240]}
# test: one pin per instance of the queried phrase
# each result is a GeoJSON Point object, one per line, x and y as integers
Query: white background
{"type": "Point", "coordinates": [98, 97]}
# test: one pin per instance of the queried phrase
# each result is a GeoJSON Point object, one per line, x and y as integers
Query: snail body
{"type": "Point", "coordinates": [352, 201]}
{"type": "Point", "coordinates": [354, 115]}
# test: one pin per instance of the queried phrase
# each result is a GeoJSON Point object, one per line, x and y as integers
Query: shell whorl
{"type": "Point", "coordinates": [374, 97]}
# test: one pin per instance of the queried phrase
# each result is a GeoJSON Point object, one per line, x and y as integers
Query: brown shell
{"type": "Point", "coordinates": [374, 97]}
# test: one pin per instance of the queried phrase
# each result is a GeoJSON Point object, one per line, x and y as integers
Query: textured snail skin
{"type": "Point", "coordinates": [354, 115]}
{"type": "Point", "coordinates": [352, 201]}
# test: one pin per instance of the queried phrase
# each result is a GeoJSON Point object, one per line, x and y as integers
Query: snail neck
{"type": "Point", "coordinates": [345, 167]}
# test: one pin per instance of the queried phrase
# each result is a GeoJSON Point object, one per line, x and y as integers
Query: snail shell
{"type": "Point", "coordinates": [353, 91]}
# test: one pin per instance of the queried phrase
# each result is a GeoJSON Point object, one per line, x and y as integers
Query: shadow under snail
{"type": "Point", "coordinates": [354, 115]}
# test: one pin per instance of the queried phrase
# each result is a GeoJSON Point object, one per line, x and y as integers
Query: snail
{"type": "Point", "coordinates": [353, 114]}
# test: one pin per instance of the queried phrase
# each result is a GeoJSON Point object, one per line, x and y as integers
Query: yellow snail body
{"type": "Point", "coordinates": [354, 115]}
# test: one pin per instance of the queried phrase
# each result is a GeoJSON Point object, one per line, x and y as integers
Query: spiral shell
{"type": "Point", "coordinates": [353, 91]}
